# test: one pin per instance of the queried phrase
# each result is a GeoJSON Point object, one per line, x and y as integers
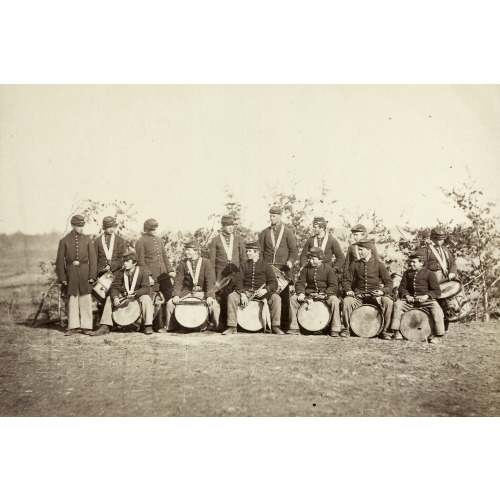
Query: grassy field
{"type": "Point", "coordinates": [44, 373]}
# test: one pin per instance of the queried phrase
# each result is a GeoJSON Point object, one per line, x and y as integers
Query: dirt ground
{"type": "Point", "coordinates": [44, 373]}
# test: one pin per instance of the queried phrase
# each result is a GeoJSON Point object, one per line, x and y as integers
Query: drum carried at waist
{"type": "Point", "coordinates": [128, 313]}
{"type": "Point", "coordinates": [192, 313]}
{"type": "Point", "coordinates": [283, 281]}
{"type": "Point", "coordinates": [416, 325]}
{"type": "Point", "coordinates": [101, 287]}
{"type": "Point", "coordinates": [252, 316]}
{"type": "Point", "coordinates": [457, 304]}
{"type": "Point", "coordinates": [314, 316]}
{"type": "Point", "coordinates": [367, 321]}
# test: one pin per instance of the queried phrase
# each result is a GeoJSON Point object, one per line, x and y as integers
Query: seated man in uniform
{"type": "Point", "coordinates": [327, 243]}
{"type": "Point", "coordinates": [358, 232]}
{"type": "Point", "coordinates": [316, 278]}
{"type": "Point", "coordinates": [419, 287]}
{"type": "Point", "coordinates": [438, 258]}
{"type": "Point", "coordinates": [195, 275]}
{"type": "Point", "coordinates": [256, 278]}
{"type": "Point", "coordinates": [132, 281]}
{"type": "Point", "coordinates": [362, 283]}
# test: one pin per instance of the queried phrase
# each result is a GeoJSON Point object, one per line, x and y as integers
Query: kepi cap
{"type": "Point", "coordinates": [438, 232]}
{"type": "Point", "coordinates": [252, 245]}
{"type": "Point", "coordinates": [130, 254]}
{"type": "Point", "coordinates": [108, 222]}
{"type": "Point", "coordinates": [150, 225]}
{"type": "Point", "coordinates": [316, 252]}
{"type": "Point", "coordinates": [358, 228]}
{"type": "Point", "coordinates": [78, 220]}
{"type": "Point", "coordinates": [365, 243]}
{"type": "Point", "coordinates": [320, 221]}
{"type": "Point", "coordinates": [227, 220]}
{"type": "Point", "coordinates": [276, 209]}
{"type": "Point", "coordinates": [192, 244]}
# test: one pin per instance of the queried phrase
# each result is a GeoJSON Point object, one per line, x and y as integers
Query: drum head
{"type": "Point", "coordinates": [127, 313]}
{"type": "Point", "coordinates": [416, 325]}
{"type": "Point", "coordinates": [250, 317]}
{"type": "Point", "coordinates": [102, 286]}
{"type": "Point", "coordinates": [314, 317]}
{"type": "Point", "coordinates": [191, 312]}
{"type": "Point", "coordinates": [366, 321]}
{"type": "Point", "coordinates": [449, 288]}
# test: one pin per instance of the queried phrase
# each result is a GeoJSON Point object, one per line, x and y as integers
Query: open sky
{"type": "Point", "coordinates": [171, 149]}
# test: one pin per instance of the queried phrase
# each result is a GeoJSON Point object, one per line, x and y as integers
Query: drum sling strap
{"type": "Point", "coordinates": [442, 262]}
{"type": "Point", "coordinates": [108, 251]}
{"type": "Point", "coordinates": [228, 249]}
{"type": "Point", "coordinates": [276, 244]}
{"type": "Point", "coordinates": [131, 289]}
{"type": "Point", "coordinates": [323, 243]}
{"type": "Point", "coordinates": [194, 275]}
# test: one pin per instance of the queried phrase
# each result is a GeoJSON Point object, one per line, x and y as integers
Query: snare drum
{"type": "Point", "coordinates": [416, 325]}
{"type": "Point", "coordinates": [101, 287]}
{"type": "Point", "coordinates": [192, 313]}
{"type": "Point", "coordinates": [251, 317]}
{"type": "Point", "coordinates": [367, 321]}
{"type": "Point", "coordinates": [128, 313]}
{"type": "Point", "coordinates": [283, 281]}
{"type": "Point", "coordinates": [458, 305]}
{"type": "Point", "coordinates": [315, 316]}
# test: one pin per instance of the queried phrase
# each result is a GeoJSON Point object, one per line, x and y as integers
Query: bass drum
{"type": "Point", "coordinates": [251, 317]}
{"type": "Point", "coordinates": [416, 325]}
{"type": "Point", "coordinates": [101, 287]}
{"type": "Point", "coordinates": [128, 313]}
{"type": "Point", "coordinates": [315, 316]}
{"type": "Point", "coordinates": [367, 321]}
{"type": "Point", "coordinates": [457, 304]}
{"type": "Point", "coordinates": [192, 313]}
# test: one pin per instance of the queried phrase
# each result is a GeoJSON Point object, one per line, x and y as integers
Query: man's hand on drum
{"type": "Point", "coordinates": [116, 301]}
{"type": "Point", "coordinates": [377, 293]}
{"type": "Point", "coordinates": [452, 276]}
{"type": "Point", "coordinates": [210, 301]}
{"type": "Point", "coordinates": [423, 298]}
{"type": "Point", "coordinates": [91, 280]}
{"type": "Point", "coordinates": [409, 299]}
{"type": "Point", "coordinates": [64, 283]}
{"type": "Point", "coordinates": [289, 264]}
{"type": "Point", "coordinates": [260, 293]}
{"type": "Point", "coordinates": [301, 297]}
{"type": "Point", "coordinates": [151, 280]}
{"type": "Point", "coordinates": [175, 300]}
{"type": "Point", "coordinates": [107, 268]}
{"type": "Point", "coordinates": [131, 295]}
{"type": "Point", "coordinates": [244, 299]}
{"type": "Point", "coordinates": [350, 293]}
{"type": "Point", "coordinates": [172, 274]}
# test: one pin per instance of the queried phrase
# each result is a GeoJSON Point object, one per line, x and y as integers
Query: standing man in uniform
{"type": "Point", "coordinates": [226, 254]}
{"type": "Point", "coordinates": [109, 247]}
{"type": "Point", "coordinates": [76, 268]}
{"type": "Point", "coordinates": [279, 248]}
{"type": "Point", "coordinates": [255, 279]}
{"type": "Point", "coordinates": [438, 258]}
{"type": "Point", "coordinates": [358, 233]}
{"type": "Point", "coordinates": [327, 243]}
{"type": "Point", "coordinates": [151, 255]}
{"type": "Point", "coordinates": [195, 275]}
{"type": "Point", "coordinates": [362, 283]}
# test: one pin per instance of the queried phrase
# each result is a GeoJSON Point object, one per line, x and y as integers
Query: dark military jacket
{"type": "Point", "coordinates": [152, 256]}
{"type": "Point", "coordinates": [321, 279]}
{"type": "Point", "coordinates": [119, 249]}
{"type": "Point", "coordinates": [351, 256]}
{"type": "Point", "coordinates": [183, 282]}
{"type": "Point", "coordinates": [218, 256]}
{"type": "Point", "coordinates": [76, 248]}
{"type": "Point", "coordinates": [141, 286]}
{"type": "Point", "coordinates": [418, 283]}
{"type": "Point", "coordinates": [332, 248]}
{"type": "Point", "coordinates": [365, 277]}
{"type": "Point", "coordinates": [253, 275]}
{"type": "Point", "coordinates": [431, 262]}
{"type": "Point", "coordinates": [287, 250]}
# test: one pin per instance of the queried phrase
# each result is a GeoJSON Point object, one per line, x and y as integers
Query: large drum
{"type": "Point", "coordinates": [251, 317]}
{"type": "Point", "coordinates": [282, 279]}
{"type": "Point", "coordinates": [314, 316]}
{"type": "Point", "coordinates": [458, 305]}
{"type": "Point", "coordinates": [101, 287]}
{"type": "Point", "coordinates": [416, 325]}
{"type": "Point", "coordinates": [128, 313]}
{"type": "Point", "coordinates": [192, 313]}
{"type": "Point", "coordinates": [367, 321]}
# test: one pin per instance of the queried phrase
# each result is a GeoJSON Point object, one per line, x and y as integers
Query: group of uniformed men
{"type": "Point", "coordinates": [141, 271]}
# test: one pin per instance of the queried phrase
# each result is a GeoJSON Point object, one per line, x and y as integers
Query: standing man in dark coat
{"type": "Point", "coordinates": [358, 232]}
{"type": "Point", "coordinates": [109, 247]}
{"type": "Point", "coordinates": [362, 282]}
{"type": "Point", "coordinates": [279, 248]}
{"type": "Point", "coordinates": [76, 268]}
{"type": "Point", "coordinates": [153, 258]}
{"type": "Point", "coordinates": [419, 287]}
{"type": "Point", "coordinates": [327, 243]}
{"type": "Point", "coordinates": [226, 254]}
{"type": "Point", "coordinates": [438, 258]}
{"type": "Point", "coordinates": [195, 275]}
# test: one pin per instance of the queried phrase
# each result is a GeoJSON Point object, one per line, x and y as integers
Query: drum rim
{"type": "Point", "coordinates": [328, 308]}
{"type": "Point", "coordinates": [189, 299]}
{"type": "Point", "coordinates": [381, 322]}
{"type": "Point", "coordinates": [260, 305]}
{"type": "Point", "coordinates": [421, 310]}
{"type": "Point", "coordinates": [458, 283]}
{"type": "Point", "coordinates": [121, 307]}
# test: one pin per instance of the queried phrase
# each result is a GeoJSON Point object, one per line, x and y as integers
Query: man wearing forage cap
{"type": "Point", "coordinates": [361, 283]}
{"type": "Point", "coordinates": [327, 243]}
{"type": "Point", "coordinates": [153, 258]}
{"type": "Point", "coordinates": [358, 232]}
{"type": "Point", "coordinates": [438, 258]}
{"type": "Point", "coordinates": [226, 253]}
{"type": "Point", "coordinates": [279, 248]}
{"type": "Point", "coordinates": [316, 278]}
{"type": "Point", "coordinates": [109, 247]}
{"type": "Point", "coordinates": [195, 275]}
{"type": "Point", "coordinates": [76, 268]}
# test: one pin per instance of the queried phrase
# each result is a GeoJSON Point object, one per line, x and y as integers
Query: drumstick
{"type": "Point", "coordinates": [260, 288]}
